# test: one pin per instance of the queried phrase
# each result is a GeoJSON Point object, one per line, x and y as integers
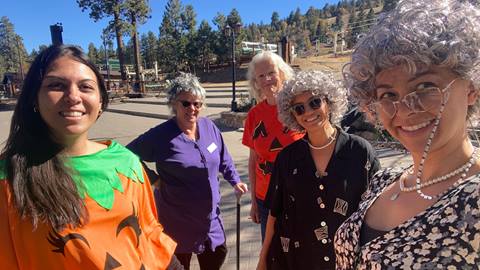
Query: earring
{"type": "Point", "coordinates": [100, 112]}
{"type": "Point", "coordinates": [35, 109]}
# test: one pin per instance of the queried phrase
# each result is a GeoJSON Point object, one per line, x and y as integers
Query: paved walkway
{"type": "Point", "coordinates": [125, 127]}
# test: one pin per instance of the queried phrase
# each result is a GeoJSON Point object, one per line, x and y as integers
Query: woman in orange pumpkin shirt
{"type": "Point", "coordinates": [67, 202]}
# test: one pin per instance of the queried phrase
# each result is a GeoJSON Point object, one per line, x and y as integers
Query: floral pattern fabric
{"type": "Point", "coordinates": [444, 236]}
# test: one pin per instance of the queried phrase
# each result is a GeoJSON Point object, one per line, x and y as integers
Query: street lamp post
{"type": "Point", "coordinates": [232, 32]}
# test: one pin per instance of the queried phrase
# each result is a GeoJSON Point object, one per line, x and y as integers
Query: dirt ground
{"type": "Point", "coordinates": [324, 62]}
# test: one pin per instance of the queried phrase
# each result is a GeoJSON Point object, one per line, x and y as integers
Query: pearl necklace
{"type": "Point", "coordinates": [418, 184]}
{"type": "Point", "coordinates": [332, 139]}
{"type": "Point", "coordinates": [442, 178]}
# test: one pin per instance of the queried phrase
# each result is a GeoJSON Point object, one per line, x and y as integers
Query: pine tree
{"type": "Point", "coordinates": [321, 32]}
{"type": "Point", "coordinates": [13, 55]}
{"type": "Point", "coordinates": [338, 26]}
{"type": "Point", "coordinates": [148, 48]}
{"type": "Point", "coordinates": [92, 53]}
{"type": "Point", "coordinates": [275, 21]}
{"type": "Point", "coordinates": [297, 18]}
{"type": "Point", "coordinates": [312, 17]}
{"type": "Point", "coordinates": [204, 45]}
{"type": "Point", "coordinates": [100, 9]}
{"type": "Point", "coordinates": [136, 12]}
{"type": "Point", "coordinates": [129, 54]}
{"type": "Point", "coordinates": [169, 42]}
{"type": "Point", "coordinates": [189, 22]}
{"type": "Point", "coordinates": [220, 47]}
{"type": "Point", "coordinates": [352, 30]}
{"type": "Point", "coordinates": [234, 19]}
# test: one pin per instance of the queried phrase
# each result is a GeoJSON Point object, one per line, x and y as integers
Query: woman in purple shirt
{"type": "Point", "coordinates": [189, 152]}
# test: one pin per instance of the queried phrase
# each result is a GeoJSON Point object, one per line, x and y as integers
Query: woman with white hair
{"type": "Point", "coordinates": [417, 74]}
{"type": "Point", "coordinates": [318, 181]}
{"type": "Point", "coordinates": [263, 133]}
{"type": "Point", "coordinates": [189, 153]}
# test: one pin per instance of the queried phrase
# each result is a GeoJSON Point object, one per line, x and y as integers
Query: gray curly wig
{"type": "Point", "coordinates": [418, 35]}
{"type": "Point", "coordinates": [185, 82]}
{"type": "Point", "coordinates": [276, 60]}
{"type": "Point", "coordinates": [319, 84]}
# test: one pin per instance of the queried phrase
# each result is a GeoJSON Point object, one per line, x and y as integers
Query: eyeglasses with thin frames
{"type": "Point", "coordinates": [186, 104]}
{"type": "Point", "coordinates": [314, 103]}
{"type": "Point", "coordinates": [421, 100]}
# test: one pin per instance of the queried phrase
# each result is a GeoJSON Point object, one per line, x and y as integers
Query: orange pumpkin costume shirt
{"type": "Point", "coordinates": [265, 134]}
{"type": "Point", "coordinates": [122, 232]}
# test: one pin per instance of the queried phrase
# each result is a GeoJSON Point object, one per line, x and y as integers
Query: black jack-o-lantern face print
{"type": "Point", "coordinates": [260, 130]}
{"type": "Point", "coordinates": [111, 263]}
{"type": "Point", "coordinates": [266, 167]}
{"type": "Point", "coordinates": [131, 221]}
{"type": "Point", "coordinates": [59, 242]}
{"type": "Point", "coordinates": [275, 145]}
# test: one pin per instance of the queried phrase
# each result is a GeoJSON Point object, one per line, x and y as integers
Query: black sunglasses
{"type": "Point", "coordinates": [195, 104]}
{"type": "Point", "coordinates": [314, 103]}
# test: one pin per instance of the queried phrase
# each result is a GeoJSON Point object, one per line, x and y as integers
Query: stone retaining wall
{"type": "Point", "coordinates": [233, 119]}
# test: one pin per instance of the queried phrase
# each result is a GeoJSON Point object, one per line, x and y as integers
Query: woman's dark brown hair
{"type": "Point", "coordinates": [42, 185]}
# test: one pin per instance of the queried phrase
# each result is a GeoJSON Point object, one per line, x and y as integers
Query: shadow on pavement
{"type": "Point", "coordinates": [7, 107]}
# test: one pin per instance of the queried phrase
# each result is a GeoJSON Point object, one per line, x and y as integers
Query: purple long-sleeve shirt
{"type": "Point", "coordinates": [189, 195]}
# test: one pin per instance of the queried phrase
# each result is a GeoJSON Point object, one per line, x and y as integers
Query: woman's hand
{"type": "Point", "coordinates": [240, 189]}
{"type": "Point", "coordinates": [254, 212]}
{"type": "Point", "coordinates": [262, 264]}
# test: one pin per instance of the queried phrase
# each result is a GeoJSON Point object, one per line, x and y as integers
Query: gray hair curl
{"type": "Point", "coordinates": [285, 70]}
{"type": "Point", "coordinates": [319, 84]}
{"type": "Point", "coordinates": [185, 82]}
{"type": "Point", "coordinates": [418, 34]}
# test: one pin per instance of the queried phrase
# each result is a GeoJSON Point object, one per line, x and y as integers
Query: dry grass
{"type": "Point", "coordinates": [324, 62]}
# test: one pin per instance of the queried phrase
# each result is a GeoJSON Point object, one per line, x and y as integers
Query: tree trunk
{"type": "Point", "coordinates": [136, 51]}
{"type": "Point", "coordinates": [118, 33]}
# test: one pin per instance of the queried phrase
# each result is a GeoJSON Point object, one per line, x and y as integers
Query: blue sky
{"type": "Point", "coordinates": [32, 18]}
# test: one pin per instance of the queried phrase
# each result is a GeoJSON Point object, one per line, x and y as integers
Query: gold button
{"type": "Point", "coordinates": [326, 259]}
{"type": "Point", "coordinates": [321, 187]}
{"type": "Point", "coordinates": [323, 223]}
{"type": "Point", "coordinates": [322, 205]}
{"type": "Point", "coordinates": [324, 241]}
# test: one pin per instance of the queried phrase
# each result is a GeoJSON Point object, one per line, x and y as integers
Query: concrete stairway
{"type": "Point", "coordinates": [218, 99]}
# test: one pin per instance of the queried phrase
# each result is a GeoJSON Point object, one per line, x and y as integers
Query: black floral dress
{"type": "Point", "coordinates": [444, 236]}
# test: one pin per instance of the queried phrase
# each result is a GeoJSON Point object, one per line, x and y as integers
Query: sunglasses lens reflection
{"type": "Point", "coordinates": [299, 109]}
{"type": "Point", "coordinates": [187, 104]}
{"type": "Point", "coordinates": [314, 104]}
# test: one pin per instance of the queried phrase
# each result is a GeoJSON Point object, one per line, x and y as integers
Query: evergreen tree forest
{"type": "Point", "coordinates": [184, 44]}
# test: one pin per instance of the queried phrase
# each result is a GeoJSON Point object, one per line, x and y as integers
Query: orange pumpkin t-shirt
{"type": "Point", "coordinates": [266, 136]}
{"type": "Point", "coordinates": [122, 231]}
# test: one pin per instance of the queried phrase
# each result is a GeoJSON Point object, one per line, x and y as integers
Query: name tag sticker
{"type": "Point", "coordinates": [212, 147]}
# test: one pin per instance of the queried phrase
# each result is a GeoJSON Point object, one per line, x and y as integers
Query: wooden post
{"type": "Point", "coordinates": [286, 50]}
{"type": "Point", "coordinates": [335, 38]}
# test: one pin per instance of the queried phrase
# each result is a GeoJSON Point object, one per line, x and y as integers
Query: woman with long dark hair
{"type": "Point", "coordinates": [67, 202]}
